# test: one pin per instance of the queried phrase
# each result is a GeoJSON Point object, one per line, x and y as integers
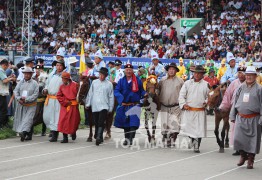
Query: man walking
{"type": "Point", "coordinates": [246, 113]}
{"type": "Point", "coordinates": [52, 106]}
{"type": "Point", "coordinates": [169, 88]}
{"type": "Point", "coordinates": [69, 118]}
{"type": "Point", "coordinates": [26, 93]}
{"type": "Point", "coordinates": [128, 92]}
{"type": "Point", "coordinates": [192, 100]}
{"type": "Point", "coordinates": [101, 99]}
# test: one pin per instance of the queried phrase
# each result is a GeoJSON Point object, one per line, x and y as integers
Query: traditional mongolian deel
{"type": "Point", "coordinates": [124, 94]}
{"type": "Point", "coordinates": [24, 113]}
{"type": "Point", "coordinates": [194, 94]}
{"type": "Point", "coordinates": [69, 118]}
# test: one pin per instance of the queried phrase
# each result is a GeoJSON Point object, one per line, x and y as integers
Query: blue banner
{"type": "Point", "coordinates": [48, 58]}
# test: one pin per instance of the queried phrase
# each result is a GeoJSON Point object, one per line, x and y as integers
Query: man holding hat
{"type": "Point", "coordinates": [26, 93]}
{"type": "Point", "coordinates": [246, 112]}
{"type": "Point", "coordinates": [4, 91]}
{"type": "Point", "coordinates": [69, 117]}
{"type": "Point", "coordinates": [221, 71]}
{"type": "Point", "coordinates": [100, 99]}
{"type": "Point", "coordinates": [29, 62]}
{"type": "Point", "coordinates": [52, 106]}
{"type": "Point", "coordinates": [119, 72]}
{"type": "Point", "coordinates": [181, 67]}
{"type": "Point", "coordinates": [128, 92]}
{"type": "Point", "coordinates": [158, 68]}
{"type": "Point", "coordinates": [169, 88]}
{"type": "Point", "coordinates": [192, 100]}
{"type": "Point", "coordinates": [230, 73]}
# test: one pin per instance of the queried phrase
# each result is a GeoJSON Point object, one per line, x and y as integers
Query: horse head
{"type": "Point", "coordinates": [215, 96]}
{"type": "Point", "coordinates": [152, 86]}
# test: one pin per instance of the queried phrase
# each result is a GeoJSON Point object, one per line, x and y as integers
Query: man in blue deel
{"type": "Point", "coordinates": [128, 92]}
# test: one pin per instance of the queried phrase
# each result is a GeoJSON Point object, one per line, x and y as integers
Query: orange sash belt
{"type": "Point", "coordinates": [195, 109]}
{"type": "Point", "coordinates": [73, 103]}
{"type": "Point", "coordinates": [248, 115]}
{"type": "Point", "coordinates": [30, 104]}
{"type": "Point", "coordinates": [49, 97]}
{"type": "Point", "coordinates": [129, 104]}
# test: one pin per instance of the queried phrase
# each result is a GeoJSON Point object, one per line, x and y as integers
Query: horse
{"type": "Point", "coordinates": [215, 98]}
{"type": "Point", "coordinates": [151, 105]}
{"type": "Point", "coordinates": [85, 85]}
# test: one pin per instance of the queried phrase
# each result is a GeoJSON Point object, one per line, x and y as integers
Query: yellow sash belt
{"type": "Point", "coordinates": [49, 97]}
{"type": "Point", "coordinates": [73, 103]}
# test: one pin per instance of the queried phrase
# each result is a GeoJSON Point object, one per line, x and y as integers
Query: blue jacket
{"type": "Point", "coordinates": [230, 75]}
{"type": "Point", "coordinates": [128, 116]}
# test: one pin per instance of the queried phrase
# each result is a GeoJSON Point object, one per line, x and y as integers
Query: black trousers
{"type": "Point", "coordinates": [3, 111]}
{"type": "Point", "coordinates": [100, 118]}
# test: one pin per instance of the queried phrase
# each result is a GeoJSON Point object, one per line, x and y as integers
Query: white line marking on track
{"type": "Point", "coordinates": [228, 171]}
{"type": "Point", "coordinates": [11, 147]}
{"type": "Point", "coordinates": [78, 164]}
{"type": "Point", "coordinates": [57, 152]}
{"type": "Point", "coordinates": [23, 145]}
{"type": "Point", "coordinates": [159, 165]}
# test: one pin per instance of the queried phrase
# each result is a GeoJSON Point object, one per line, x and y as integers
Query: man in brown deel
{"type": "Point", "coordinates": [169, 88]}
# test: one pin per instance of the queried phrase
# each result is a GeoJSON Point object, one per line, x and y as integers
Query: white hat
{"type": "Point", "coordinates": [154, 55]}
{"type": "Point", "coordinates": [60, 52]}
{"type": "Point", "coordinates": [99, 54]}
{"type": "Point", "coordinates": [230, 57]}
{"type": "Point", "coordinates": [27, 70]}
{"type": "Point", "coordinates": [251, 70]}
{"type": "Point", "coordinates": [72, 60]}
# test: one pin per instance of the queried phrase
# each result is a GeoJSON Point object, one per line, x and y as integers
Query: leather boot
{"type": "Point", "coordinates": [101, 135]}
{"type": "Point", "coordinates": [29, 135]}
{"type": "Point", "coordinates": [22, 135]}
{"type": "Point", "coordinates": [250, 162]}
{"type": "Point", "coordinates": [98, 137]}
{"type": "Point", "coordinates": [50, 134]}
{"type": "Point", "coordinates": [132, 135]}
{"type": "Point", "coordinates": [54, 136]}
{"type": "Point", "coordinates": [65, 138]}
{"type": "Point", "coordinates": [236, 153]}
{"type": "Point", "coordinates": [74, 136]}
{"type": "Point", "coordinates": [126, 142]}
{"type": "Point", "coordinates": [243, 158]}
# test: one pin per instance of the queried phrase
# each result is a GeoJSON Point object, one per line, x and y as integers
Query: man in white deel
{"type": "Point", "coordinates": [192, 100]}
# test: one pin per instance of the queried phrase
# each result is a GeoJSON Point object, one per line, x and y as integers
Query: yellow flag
{"type": "Point", "coordinates": [82, 66]}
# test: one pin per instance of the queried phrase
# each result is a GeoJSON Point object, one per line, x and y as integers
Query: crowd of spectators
{"type": "Point", "coordinates": [229, 24]}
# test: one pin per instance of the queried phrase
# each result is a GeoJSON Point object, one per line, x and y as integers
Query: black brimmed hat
{"type": "Point", "coordinates": [172, 65]}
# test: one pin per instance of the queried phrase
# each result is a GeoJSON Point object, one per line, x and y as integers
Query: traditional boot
{"type": "Point", "coordinates": [98, 137]}
{"type": "Point", "coordinates": [197, 145]}
{"type": "Point", "coordinates": [250, 162]}
{"type": "Point", "coordinates": [126, 142]}
{"type": "Point", "coordinates": [132, 135]}
{"type": "Point", "coordinates": [74, 136]}
{"type": "Point", "coordinates": [191, 143]}
{"type": "Point", "coordinates": [50, 134]}
{"type": "Point", "coordinates": [29, 135]}
{"type": "Point", "coordinates": [243, 158]}
{"type": "Point", "coordinates": [22, 135]}
{"type": "Point", "coordinates": [54, 136]}
{"type": "Point", "coordinates": [65, 138]}
{"type": "Point", "coordinates": [237, 153]}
